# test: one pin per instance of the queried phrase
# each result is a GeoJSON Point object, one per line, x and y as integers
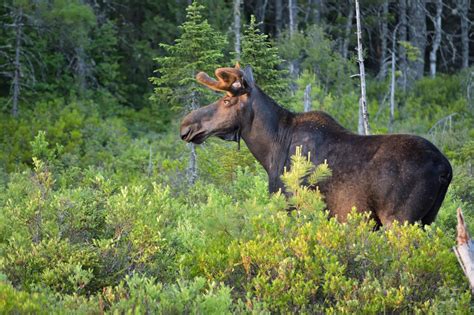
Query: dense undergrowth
{"type": "Point", "coordinates": [96, 215]}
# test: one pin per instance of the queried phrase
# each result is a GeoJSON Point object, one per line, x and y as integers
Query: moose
{"type": "Point", "coordinates": [394, 177]}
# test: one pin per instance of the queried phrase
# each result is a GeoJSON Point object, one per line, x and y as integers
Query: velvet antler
{"type": "Point", "coordinates": [228, 79]}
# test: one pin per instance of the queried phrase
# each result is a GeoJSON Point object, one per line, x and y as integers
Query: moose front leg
{"type": "Point", "coordinates": [275, 184]}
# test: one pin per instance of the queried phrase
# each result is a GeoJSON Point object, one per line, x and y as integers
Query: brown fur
{"type": "Point", "coordinates": [394, 177]}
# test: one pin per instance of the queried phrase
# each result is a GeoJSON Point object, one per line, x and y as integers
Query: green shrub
{"type": "Point", "coordinates": [93, 219]}
{"type": "Point", "coordinates": [139, 295]}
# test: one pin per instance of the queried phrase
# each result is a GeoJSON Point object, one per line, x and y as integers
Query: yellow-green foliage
{"type": "Point", "coordinates": [149, 247]}
{"type": "Point", "coordinates": [94, 220]}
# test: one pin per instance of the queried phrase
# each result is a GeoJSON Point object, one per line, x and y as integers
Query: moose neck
{"type": "Point", "coordinates": [266, 132]}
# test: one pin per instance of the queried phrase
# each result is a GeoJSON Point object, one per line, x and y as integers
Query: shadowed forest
{"type": "Point", "coordinates": [104, 209]}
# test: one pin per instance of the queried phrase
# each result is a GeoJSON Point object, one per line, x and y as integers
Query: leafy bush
{"type": "Point", "coordinates": [94, 220]}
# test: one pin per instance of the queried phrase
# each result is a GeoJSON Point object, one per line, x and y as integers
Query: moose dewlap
{"type": "Point", "coordinates": [394, 177]}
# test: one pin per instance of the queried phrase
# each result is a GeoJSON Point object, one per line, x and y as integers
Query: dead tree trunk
{"type": "Point", "coordinates": [463, 9]}
{"type": "Point", "coordinates": [417, 32]}
{"type": "Point", "coordinates": [392, 77]}
{"type": "Point", "coordinates": [292, 9]}
{"type": "Point", "coordinates": [317, 11]}
{"type": "Point", "coordinates": [402, 54]}
{"type": "Point", "coordinates": [261, 11]}
{"type": "Point", "coordinates": [192, 165]}
{"type": "Point", "coordinates": [437, 37]}
{"type": "Point", "coordinates": [465, 250]}
{"type": "Point", "coordinates": [347, 31]}
{"type": "Point", "coordinates": [292, 18]}
{"type": "Point", "coordinates": [81, 68]}
{"type": "Point", "coordinates": [278, 16]}
{"type": "Point", "coordinates": [16, 82]}
{"type": "Point", "coordinates": [237, 4]}
{"type": "Point", "coordinates": [364, 127]}
{"type": "Point", "coordinates": [392, 92]}
{"type": "Point", "coordinates": [383, 40]}
{"type": "Point", "coordinates": [307, 98]}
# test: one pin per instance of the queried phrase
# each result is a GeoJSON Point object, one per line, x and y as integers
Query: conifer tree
{"type": "Point", "coordinates": [16, 51]}
{"type": "Point", "coordinates": [198, 48]}
{"type": "Point", "coordinates": [263, 57]}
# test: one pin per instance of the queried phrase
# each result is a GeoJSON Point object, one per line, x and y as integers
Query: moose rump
{"type": "Point", "coordinates": [394, 177]}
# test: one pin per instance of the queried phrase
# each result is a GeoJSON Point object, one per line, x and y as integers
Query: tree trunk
{"type": "Point", "coordinates": [307, 98]}
{"type": "Point", "coordinates": [392, 92]}
{"type": "Point", "coordinates": [465, 250]}
{"type": "Point", "coordinates": [278, 16]}
{"type": "Point", "coordinates": [292, 10]}
{"type": "Point", "coordinates": [192, 165]}
{"type": "Point", "coordinates": [463, 9]}
{"type": "Point", "coordinates": [347, 31]}
{"type": "Point", "coordinates": [81, 68]}
{"type": "Point", "coordinates": [383, 40]}
{"type": "Point", "coordinates": [417, 32]}
{"type": "Point", "coordinates": [260, 13]}
{"type": "Point", "coordinates": [317, 11]}
{"type": "Point", "coordinates": [237, 4]}
{"type": "Point", "coordinates": [392, 78]}
{"type": "Point", "coordinates": [364, 127]}
{"type": "Point", "coordinates": [402, 54]}
{"type": "Point", "coordinates": [16, 83]}
{"type": "Point", "coordinates": [437, 37]}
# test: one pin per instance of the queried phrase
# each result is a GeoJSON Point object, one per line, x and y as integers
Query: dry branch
{"type": "Point", "coordinates": [465, 250]}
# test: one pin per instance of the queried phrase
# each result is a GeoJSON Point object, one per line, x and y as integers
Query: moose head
{"type": "Point", "coordinates": [395, 177]}
{"type": "Point", "coordinates": [224, 117]}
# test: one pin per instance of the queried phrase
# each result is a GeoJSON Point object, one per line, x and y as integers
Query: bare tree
{"type": "Point", "coordinates": [463, 9]}
{"type": "Point", "coordinates": [392, 77]}
{"type": "Point", "coordinates": [364, 127]}
{"type": "Point", "coordinates": [81, 68]}
{"type": "Point", "coordinates": [292, 18]}
{"type": "Point", "coordinates": [383, 40]}
{"type": "Point", "coordinates": [278, 16]}
{"type": "Point", "coordinates": [436, 37]}
{"type": "Point", "coordinates": [347, 31]}
{"type": "Point", "coordinates": [417, 32]}
{"type": "Point", "coordinates": [402, 54]}
{"type": "Point", "coordinates": [260, 13]}
{"type": "Point", "coordinates": [307, 98]}
{"type": "Point", "coordinates": [18, 67]}
{"type": "Point", "coordinates": [192, 164]}
{"type": "Point", "coordinates": [292, 10]}
{"type": "Point", "coordinates": [18, 25]}
{"type": "Point", "coordinates": [392, 91]}
{"type": "Point", "coordinates": [318, 11]}
{"type": "Point", "coordinates": [237, 10]}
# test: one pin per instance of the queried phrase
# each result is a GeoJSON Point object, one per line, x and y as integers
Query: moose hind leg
{"type": "Point", "coordinates": [412, 206]}
{"type": "Point", "coordinates": [431, 215]}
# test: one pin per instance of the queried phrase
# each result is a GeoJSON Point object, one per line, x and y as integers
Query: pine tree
{"type": "Point", "coordinates": [199, 48]}
{"type": "Point", "coordinates": [16, 52]}
{"type": "Point", "coordinates": [263, 57]}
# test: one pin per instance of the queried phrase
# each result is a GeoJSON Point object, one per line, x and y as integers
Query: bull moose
{"type": "Point", "coordinates": [394, 177]}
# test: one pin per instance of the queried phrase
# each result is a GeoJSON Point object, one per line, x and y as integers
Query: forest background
{"type": "Point", "coordinates": [104, 209]}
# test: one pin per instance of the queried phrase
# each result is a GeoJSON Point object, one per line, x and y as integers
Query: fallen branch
{"type": "Point", "coordinates": [465, 250]}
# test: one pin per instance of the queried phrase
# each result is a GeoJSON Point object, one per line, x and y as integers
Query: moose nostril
{"type": "Point", "coordinates": [185, 132]}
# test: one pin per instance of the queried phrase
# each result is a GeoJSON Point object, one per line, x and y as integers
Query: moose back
{"type": "Point", "coordinates": [394, 177]}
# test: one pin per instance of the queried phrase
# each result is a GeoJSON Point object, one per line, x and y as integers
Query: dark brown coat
{"type": "Point", "coordinates": [394, 177]}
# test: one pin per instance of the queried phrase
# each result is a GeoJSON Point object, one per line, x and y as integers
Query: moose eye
{"type": "Point", "coordinates": [226, 102]}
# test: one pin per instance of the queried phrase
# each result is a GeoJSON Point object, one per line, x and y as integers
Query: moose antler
{"type": "Point", "coordinates": [228, 79]}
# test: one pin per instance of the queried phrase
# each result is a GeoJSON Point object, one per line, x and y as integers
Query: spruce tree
{"type": "Point", "coordinates": [259, 52]}
{"type": "Point", "coordinates": [198, 48]}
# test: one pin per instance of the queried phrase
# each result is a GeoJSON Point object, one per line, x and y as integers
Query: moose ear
{"type": "Point", "coordinates": [248, 77]}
